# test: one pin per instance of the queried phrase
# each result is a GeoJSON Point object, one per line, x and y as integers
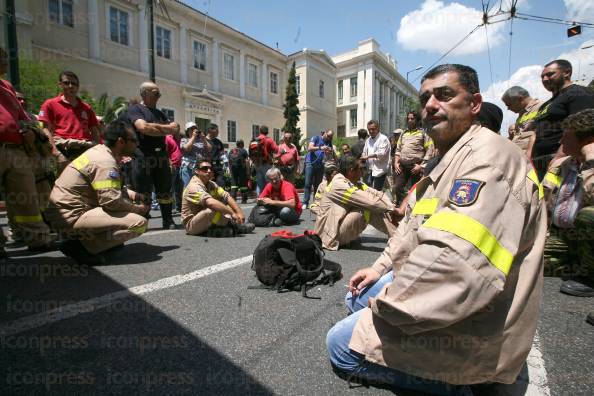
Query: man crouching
{"type": "Point", "coordinates": [207, 208]}
{"type": "Point", "coordinates": [88, 203]}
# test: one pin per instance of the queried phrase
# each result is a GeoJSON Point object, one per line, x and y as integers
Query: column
{"type": "Point", "coordinates": [215, 66]}
{"type": "Point", "coordinates": [364, 100]}
{"type": "Point", "coordinates": [241, 74]}
{"type": "Point", "coordinates": [264, 83]}
{"type": "Point", "coordinates": [143, 39]}
{"type": "Point", "coordinates": [93, 23]}
{"type": "Point", "coordinates": [183, 54]}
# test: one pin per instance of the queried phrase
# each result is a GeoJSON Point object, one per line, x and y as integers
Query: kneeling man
{"type": "Point", "coordinates": [88, 203]}
{"type": "Point", "coordinates": [206, 206]}
{"type": "Point", "coordinates": [348, 206]}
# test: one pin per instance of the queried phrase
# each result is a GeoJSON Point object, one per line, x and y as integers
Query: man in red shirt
{"type": "Point", "coordinates": [172, 145]}
{"type": "Point", "coordinates": [287, 157]}
{"type": "Point", "coordinates": [70, 123]}
{"type": "Point", "coordinates": [262, 156]}
{"type": "Point", "coordinates": [16, 171]}
{"type": "Point", "coordinates": [281, 197]}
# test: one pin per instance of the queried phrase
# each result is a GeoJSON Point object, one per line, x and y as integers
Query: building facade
{"type": "Point", "coordinates": [369, 86]}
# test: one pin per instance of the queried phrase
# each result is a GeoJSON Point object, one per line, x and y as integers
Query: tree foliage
{"type": "Point", "coordinates": [291, 112]}
{"type": "Point", "coordinates": [39, 81]}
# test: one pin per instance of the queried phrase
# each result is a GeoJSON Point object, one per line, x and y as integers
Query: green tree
{"type": "Point", "coordinates": [39, 81]}
{"type": "Point", "coordinates": [410, 104]}
{"type": "Point", "coordinates": [291, 112]}
{"type": "Point", "coordinates": [109, 110]}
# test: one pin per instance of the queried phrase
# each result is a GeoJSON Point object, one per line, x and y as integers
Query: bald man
{"type": "Point", "coordinates": [150, 167]}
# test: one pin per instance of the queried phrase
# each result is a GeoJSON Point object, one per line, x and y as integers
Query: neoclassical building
{"type": "Point", "coordinates": [369, 86]}
{"type": "Point", "coordinates": [207, 70]}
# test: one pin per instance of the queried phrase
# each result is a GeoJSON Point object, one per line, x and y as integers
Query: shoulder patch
{"type": "Point", "coordinates": [464, 192]}
{"type": "Point", "coordinates": [113, 174]}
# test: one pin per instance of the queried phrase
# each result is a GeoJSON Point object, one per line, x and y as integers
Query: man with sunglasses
{"type": "Point", "coordinates": [208, 208]}
{"type": "Point", "coordinates": [89, 204]}
{"type": "Point", "coordinates": [69, 122]}
{"type": "Point", "coordinates": [150, 165]}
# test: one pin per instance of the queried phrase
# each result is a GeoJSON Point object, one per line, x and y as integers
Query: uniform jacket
{"type": "Point", "coordinates": [341, 197]}
{"type": "Point", "coordinates": [195, 196]}
{"type": "Point", "coordinates": [93, 179]}
{"type": "Point", "coordinates": [467, 262]}
{"type": "Point", "coordinates": [315, 205]}
{"type": "Point", "coordinates": [414, 147]}
{"type": "Point", "coordinates": [525, 124]}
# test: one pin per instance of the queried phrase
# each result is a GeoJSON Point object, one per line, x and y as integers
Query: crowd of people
{"type": "Point", "coordinates": [452, 303]}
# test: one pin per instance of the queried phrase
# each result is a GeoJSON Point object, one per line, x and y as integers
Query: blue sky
{"type": "Point", "coordinates": [419, 32]}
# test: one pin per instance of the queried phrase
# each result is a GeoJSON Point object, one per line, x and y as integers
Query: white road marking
{"type": "Point", "coordinates": [537, 373]}
{"type": "Point", "coordinates": [93, 304]}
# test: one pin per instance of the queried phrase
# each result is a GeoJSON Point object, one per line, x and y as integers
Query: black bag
{"type": "Point", "coordinates": [261, 216]}
{"type": "Point", "coordinates": [284, 261]}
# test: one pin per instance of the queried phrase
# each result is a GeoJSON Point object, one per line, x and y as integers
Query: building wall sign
{"type": "Point", "coordinates": [203, 108]}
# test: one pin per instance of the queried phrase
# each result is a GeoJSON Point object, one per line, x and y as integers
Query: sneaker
{"type": "Point", "coordinates": [169, 225]}
{"type": "Point", "coordinates": [76, 251]}
{"type": "Point", "coordinates": [245, 228]}
{"type": "Point", "coordinates": [220, 232]}
{"type": "Point", "coordinates": [578, 287]}
{"type": "Point", "coordinates": [277, 222]}
{"type": "Point", "coordinates": [304, 206]}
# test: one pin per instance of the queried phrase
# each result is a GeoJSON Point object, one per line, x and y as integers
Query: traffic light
{"type": "Point", "coordinates": [574, 31]}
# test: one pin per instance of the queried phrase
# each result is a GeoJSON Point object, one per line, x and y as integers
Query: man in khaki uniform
{"type": "Point", "coordinates": [208, 207]}
{"type": "Point", "coordinates": [348, 206]}
{"type": "Point", "coordinates": [518, 100]}
{"type": "Point", "coordinates": [413, 150]}
{"type": "Point", "coordinates": [330, 170]}
{"type": "Point", "coordinates": [88, 203]}
{"type": "Point", "coordinates": [453, 300]}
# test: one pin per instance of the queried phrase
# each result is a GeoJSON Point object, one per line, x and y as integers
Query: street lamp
{"type": "Point", "coordinates": [410, 71]}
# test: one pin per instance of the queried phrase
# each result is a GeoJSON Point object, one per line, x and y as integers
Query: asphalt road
{"type": "Point", "coordinates": [164, 317]}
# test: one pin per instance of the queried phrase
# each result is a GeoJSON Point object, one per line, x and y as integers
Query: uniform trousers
{"type": "Point", "coordinates": [151, 168]}
{"type": "Point", "coordinates": [351, 363]}
{"type": "Point", "coordinates": [203, 220]}
{"type": "Point", "coordinates": [99, 230]}
{"type": "Point", "coordinates": [22, 199]}
{"type": "Point", "coordinates": [401, 180]}
{"type": "Point", "coordinates": [239, 182]}
{"type": "Point", "coordinates": [354, 223]}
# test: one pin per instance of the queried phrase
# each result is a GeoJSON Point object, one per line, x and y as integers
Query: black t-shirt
{"type": "Point", "coordinates": [242, 156]}
{"type": "Point", "coordinates": [154, 116]}
{"type": "Point", "coordinates": [568, 101]}
{"type": "Point", "coordinates": [216, 151]}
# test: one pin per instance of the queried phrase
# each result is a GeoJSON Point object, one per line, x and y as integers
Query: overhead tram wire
{"type": "Point", "coordinates": [489, 55]}
{"type": "Point", "coordinates": [552, 20]}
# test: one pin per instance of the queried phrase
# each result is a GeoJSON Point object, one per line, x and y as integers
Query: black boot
{"type": "Point", "coordinates": [168, 223]}
{"type": "Point", "coordinates": [74, 249]}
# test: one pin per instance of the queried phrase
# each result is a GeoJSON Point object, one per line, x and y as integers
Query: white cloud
{"type": "Point", "coordinates": [437, 27]}
{"type": "Point", "coordinates": [528, 77]}
{"type": "Point", "coordinates": [580, 10]}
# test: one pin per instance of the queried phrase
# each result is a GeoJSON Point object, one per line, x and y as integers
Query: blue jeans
{"type": "Point", "coordinates": [261, 177]}
{"type": "Point", "coordinates": [376, 182]}
{"type": "Point", "coordinates": [350, 362]}
{"type": "Point", "coordinates": [186, 174]}
{"type": "Point", "coordinates": [313, 178]}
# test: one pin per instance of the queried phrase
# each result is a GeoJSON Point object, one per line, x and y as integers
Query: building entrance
{"type": "Point", "coordinates": [202, 123]}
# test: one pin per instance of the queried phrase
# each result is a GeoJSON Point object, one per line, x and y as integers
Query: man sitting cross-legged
{"type": "Point", "coordinates": [348, 206]}
{"type": "Point", "coordinates": [206, 207]}
{"type": "Point", "coordinates": [280, 197]}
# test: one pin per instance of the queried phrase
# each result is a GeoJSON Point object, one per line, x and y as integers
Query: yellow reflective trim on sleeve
{"type": "Point", "coordinates": [425, 206]}
{"type": "Point", "coordinates": [103, 184]}
{"type": "Point", "coordinates": [347, 194]}
{"type": "Point", "coordinates": [527, 117]}
{"type": "Point", "coordinates": [553, 179]}
{"type": "Point", "coordinates": [428, 144]}
{"type": "Point", "coordinates": [28, 219]}
{"type": "Point", "coordinates": [534, 178]}
{"type": "Point", "coordinates": [364, 186]}
{"type": "Point", "coordinates": [318, 195]}
{"type": "Point", "coordinates": [165, 201]}
{"type": "Point", "coordinates": [139, 230]}
{"type": "Point", "coordinates": [367, 215]}
{"type": "Point", "coordinates": [80, 162]}
{"type": "Point", "coordinates": [218, 192]}
{"type": "Point", "coordinates": [216, 218]}
{"type": "Point", "coordinates": [470, 230]}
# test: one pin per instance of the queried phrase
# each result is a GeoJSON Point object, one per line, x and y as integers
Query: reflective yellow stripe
{"type": "Point", "coordinates": [28, 219]}
{"type": "Point", "coordinates": [534, 177]}
{"type": "Point", "coordinates": [318, 195]}
{"type": "Point", "coordinates": [217, 193]}
{"type": "Point", "coordinates": [425, 206]}
{"type": "Point", "coordinates": [553, 179]}
{"type": "Point", "coordinates": [195, 197]}
{"type": "Point", "coordinates": [139, 230]}
{"type": "Point", "coordinates": [216, 218]}
{"type": "Point", "coordinates": [413, 133]}
{"type": "Point", "coordinates": [347, 195]}
{"type": "Point", "coordinates": [102, 184]}
{"type": "Point", "coordinates": [367, 215]}
{"type": "Point", "coordinates": [364, 186]}
{"type": "Point", "coordinates": [80, 162]}
{"type": "Point", "coordinates": [470, 230]}
{"type": "Point", "coordinates": [428, 143]}
{"type": "Point", "coordinates": [527, 117]}
{"type": "Point", "coordinates": [165, 201]}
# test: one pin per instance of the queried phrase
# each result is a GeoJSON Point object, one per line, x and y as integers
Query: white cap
{"type": "Point", "coordinates": [190, 125]}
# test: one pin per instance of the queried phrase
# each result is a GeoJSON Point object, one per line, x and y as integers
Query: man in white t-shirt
{"type": "Point", "coordinates": [377, 154]}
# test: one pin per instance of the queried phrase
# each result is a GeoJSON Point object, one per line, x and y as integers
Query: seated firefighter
{"type": "Point", "coordinates": [280, 197]}
{"type": "Point", "coordinates": [88, 203]}
{"type": "Point", "coordinates": [569, 184]}
{"type": "Point", "coordinates": [330, 170]}
{"type": "Point", "coordinates": [208, 208]}
{"type": "Point", "coordinates": [349, 206]}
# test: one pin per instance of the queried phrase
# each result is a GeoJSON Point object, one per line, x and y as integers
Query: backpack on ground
{"type": "Point", "coordinates": [284, 262]}
{"type": "Point", "coordinates": [261, 216]}
{"type": "Point", "coordinates": [235, 159]}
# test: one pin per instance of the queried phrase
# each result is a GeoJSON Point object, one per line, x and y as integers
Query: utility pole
{"type": "Point", "coordinates": [151, 48]}
{"type": "Point", "coordinates": [13, 50]}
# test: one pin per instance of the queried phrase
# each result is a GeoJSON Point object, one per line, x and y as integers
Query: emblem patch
{"type": "Point", "coordinates": [114, 174]}
{"type": "Point", "coordinates": [464, 192]}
